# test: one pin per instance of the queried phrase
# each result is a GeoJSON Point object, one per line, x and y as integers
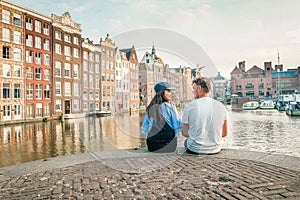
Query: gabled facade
{"type": "Point", "coordinates": [122, 82]}
{"type": "Point", "coordinates": [219, 87]}
{"type": "Point", "coordinates": [67, 70]}
{"type": "Point", "coordinates": [151, 71]}
{"type": "Point", "coordinates": [12, 95]}
{"type": "Point", "coordinates": [108, 84]}
{"type": "Point", "coordinates": [134, 101]}
{"type": "Point", "coordinates": [91, 77]}
{"type": "Point", "coordinates": [38, 40]}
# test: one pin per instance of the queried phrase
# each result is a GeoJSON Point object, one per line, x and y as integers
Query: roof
{"type": "Point", "coordinates": [127, 51]}
{"type": "Point", "coordinates": [254, 70]}
{"type": "Point", "coordinates": [236, 70]}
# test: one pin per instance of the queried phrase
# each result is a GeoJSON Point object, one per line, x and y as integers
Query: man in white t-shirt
{"type": "Point", "coordinates": [204, 121]}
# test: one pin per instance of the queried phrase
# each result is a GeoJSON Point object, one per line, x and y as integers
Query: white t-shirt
{"type": "Point", "coordinates": [205, 117]}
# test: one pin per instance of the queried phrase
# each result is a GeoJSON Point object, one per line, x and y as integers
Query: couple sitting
{"type": "Point", "coordinates": [203, 123]}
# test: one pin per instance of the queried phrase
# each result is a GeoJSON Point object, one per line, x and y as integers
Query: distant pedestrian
{"type": "Point", "coordinates": [161, 124]}
{"type": "Point", "coordinates": [204, 120]}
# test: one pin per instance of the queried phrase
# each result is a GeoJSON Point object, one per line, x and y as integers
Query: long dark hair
{"type": "Point", "coordinates": [158, 99]}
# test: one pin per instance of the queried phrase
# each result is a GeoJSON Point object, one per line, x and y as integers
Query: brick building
{"type": "Point", "coordinates": [264, 83]}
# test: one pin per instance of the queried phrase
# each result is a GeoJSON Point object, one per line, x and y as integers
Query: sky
{"type": "Point", "coordinates": [228, 31]}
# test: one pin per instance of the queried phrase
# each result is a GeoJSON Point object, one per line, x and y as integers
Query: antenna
{"type": "Point", "coordinates": [278, 57]}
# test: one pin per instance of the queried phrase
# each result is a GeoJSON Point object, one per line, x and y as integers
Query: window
{"type": "Point", "coordinates": [58, 48]}
{"type": "Point", "coordinates": [97, 85]}
{"type": "Point", "coordinates": [76, 40]}
{"type": "Point", "coordinates": [38, 58]}
{"type": "Point", "coordinates": [67, 89]}
{"type": "Point", "coordinates": [46, 74]}
{"type": "Point", "coordinates": [17, 54]}
{"type": "Point", "coordinates": [29, 24]}
{"type": "Point", "coordinates": [85, 65]}
{"type": "Point", "coordinates": [76, 104]}
{"type": "Point", "coordinates": [38, 91]}
{"type": "Point", "coordinates": [38, 42]}
{"type": "Point", "coordinates": [58, 88]}
{"type": "Point", "coordinates": [29, 110]}
{"type": "Point", "coordinates": [29, 73]}
{"type": "Point", "coordinates": [39, 110]}
{"type": "Point", "coordinates": [6, 16]}
{"type": "Point", "coordinates": [85, 80]}
{"type": "Point", "coordinates": [57, 69]}
{"type": "Point", "coordinates": [67, 70]}
{"type": "Point", "coordinates": [29, 40]}
{"type": "Point", "coordinates": [58, 105]}
{"type": "Point", "coordinates": [76, 71]}
{"type": "Point", "coordinates": [67, 51]}
{"type": "Point", "coordinates": [67, 38]}
{"type": "Point", "coordinates": [6, 90]}
{"type": "Point", "coordinates": [17, 71]}
{"type": "Point", "coordinates": [38, 73]}
{"type": "Point", "coordinates": [58, 35]}
{"type": "Point", "coordinates": [29, 56]}
{"type": "Point", "coordinates": [85, 55]}
{"type": "Point", "coordinates": [17, 37]}
{"type": "Point", "coordinates": [47, 110]}
{"type": "Point", "coordinates": [97, 58]}
{"type": "Point", "coordinates": [97, 68]}
{"type": "Point", "coordinates": [29, 91]}
{"type": "Point", "coordinates": [5, 34]}
{"type": "Point", "coordinates": [76, 53]}
{"type": "Point", "coordinates": [46, 29]}
{"type": "Point", "coordinates": [85, 95]}
{"type": "Point", "coordinates": [76, 89]}
{"type": "Point", "coordinates": [6, 70]}
{"type": "Point", "coordinates": [6, 52]}
{"type": "Point", "coordinates": [47, 91]}
{"type": "Point", "coordinates": [17, 110]}
{"type": "Point", "coordinates": [46, 44]}
{"type": "Point", "coordinates": [6, 111]}
{"type": "Point", "coordinates": [92, 57]}
{"type": "Point", "coordinates": [17, 19]}
{"type": "Point", "coordinates": [38, 26]}
{"type": "Point", "coordinates": [47, 60]}
{"type": "Point", "coordinates": [17, 91]}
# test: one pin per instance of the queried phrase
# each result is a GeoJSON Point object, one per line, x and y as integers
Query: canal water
{"type": "Point", "coordinates": [260, 130]}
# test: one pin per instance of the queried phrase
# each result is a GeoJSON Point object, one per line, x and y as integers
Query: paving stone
{"type": "Point", "coordinates": [162, 177]}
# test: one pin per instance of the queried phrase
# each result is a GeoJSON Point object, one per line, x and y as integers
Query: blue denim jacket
{"type": "Point", "coordinates": [171, 116]}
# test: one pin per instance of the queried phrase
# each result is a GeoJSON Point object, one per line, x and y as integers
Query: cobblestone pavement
{"type": "Point", "coordinates": [158, 177]}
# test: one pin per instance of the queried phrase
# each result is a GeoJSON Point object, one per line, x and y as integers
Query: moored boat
{"type": "Point", "coordinates": [293, 109]}
{"type": "Point", "coordinates": [267, 104]}
{"type": "Point", "coordinates": [250, 105]}
{"type": "Point", "coordinates": [103, 113]}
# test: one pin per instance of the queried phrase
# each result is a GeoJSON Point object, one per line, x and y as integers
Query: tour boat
{"type": "Point", "coordinates": [250, 105]}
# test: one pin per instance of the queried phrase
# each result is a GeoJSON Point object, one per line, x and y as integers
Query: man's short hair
{"type": "Point", "coordinates": [204, 82]}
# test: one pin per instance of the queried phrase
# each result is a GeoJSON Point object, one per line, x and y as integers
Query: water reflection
{"type": "Point", "coordinates": [264, 130]}
{"type": "Point", "coordinates": [267, 131]}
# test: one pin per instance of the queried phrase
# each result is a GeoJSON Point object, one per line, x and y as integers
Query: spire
{"type": "Point", "coordinates": [153, 49]}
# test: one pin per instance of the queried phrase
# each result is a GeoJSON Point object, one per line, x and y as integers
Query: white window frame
{"type": "Point", "coordinates": [5, 16]}
{"type": "Point", "coordinates": [5, 35]}
{"type": "Point", "coordinates": [38, 42]}
{"type": "Point", "coordinates": [17, 37]}
{"type": "Point", "coordinates": [6, 70]}
{"type": "Point", "coordinates": [17, 54]}
{"type": "Point", "coordinates": [38, 26]}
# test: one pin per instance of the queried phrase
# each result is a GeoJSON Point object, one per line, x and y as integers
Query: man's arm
{"type": "Point", "coordinates": [224, 130]}
{"type": "Point", "coordinates": [185, 130]}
